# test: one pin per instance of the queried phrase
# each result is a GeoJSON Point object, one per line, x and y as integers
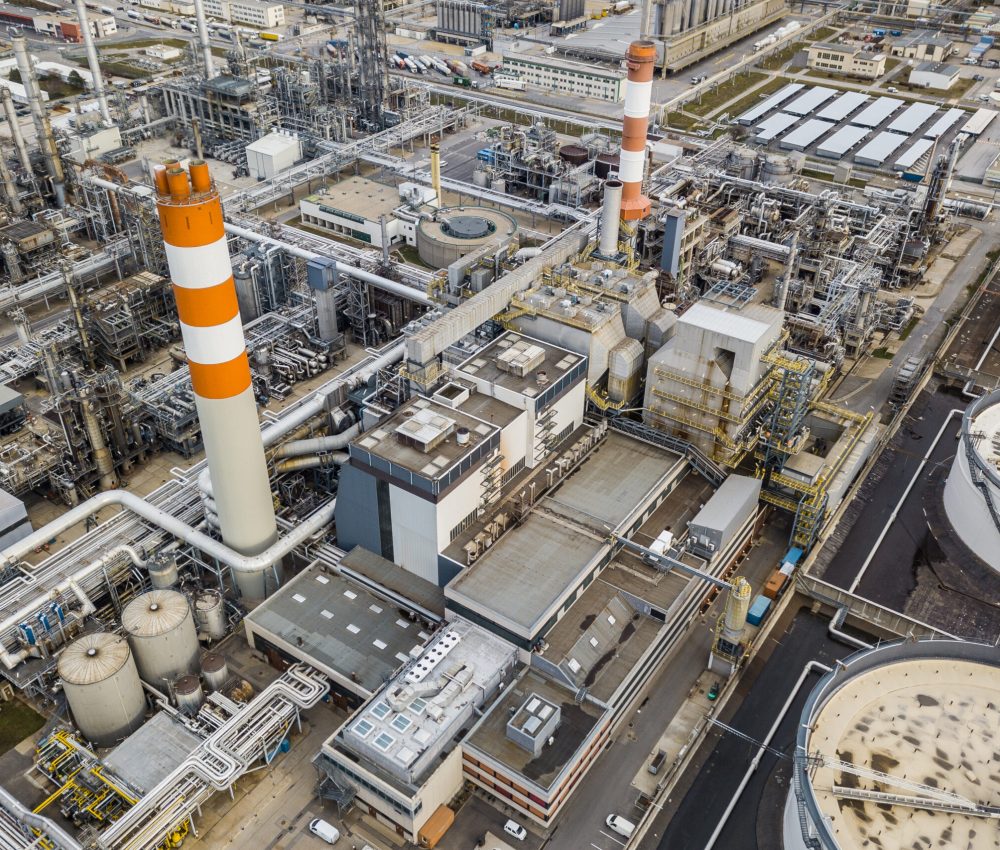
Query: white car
{"type": "Point", "coordinates": [513, 828]}
{"type": "Point", "coordinates": [616, 823]}
{"type": "Point", "coordinates": [326, 831]}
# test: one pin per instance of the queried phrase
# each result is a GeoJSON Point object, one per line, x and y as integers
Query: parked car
{"type": "Point", "coordinates": [978, 77]}
{"type": "Point", "coordinates": [515, 830]}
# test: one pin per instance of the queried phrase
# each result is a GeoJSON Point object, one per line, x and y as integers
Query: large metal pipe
{"type": "Point", "coordinates": [43, 129]}
{"type": "Point", "coordinates": [610, 218]}
{"type": "Point", "coordinates": [436, 171]}
{"type": "Point", "coordinates": [203, 40]}
{"type": "Point", "coordinates": [318, 445]}
{"type": "Point", "coordinates": [15, 129]}
{"type": "Point", "coordinates": [9, 188]}
{"type": "Point", "coordinates": [198, 257]}
{"type": "Point", "coordinates": [49, 828]}
{"type": "Point", "coordinates": [92, 61]}
{"type": "Point", "coordinates": [641, 57]}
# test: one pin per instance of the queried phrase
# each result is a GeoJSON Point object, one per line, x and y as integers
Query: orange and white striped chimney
{"type": "Point", "coordinates": [641, 57]}
{"type": "Point", "coordinates": [202, 275]}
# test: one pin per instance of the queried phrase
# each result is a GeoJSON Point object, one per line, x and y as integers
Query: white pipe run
{"type": "Point", "coordinates": [317, 445]}
{"type": "Point", "coordinates": [63, 839]}
{"type": "Point", "coordinates": [294, 464]}
{"type": "Point", "coordinates": [92, 61]}
{"type": "Point", "coordinates": [812, 666]}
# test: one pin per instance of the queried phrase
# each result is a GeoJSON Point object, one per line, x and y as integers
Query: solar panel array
{"type": "Point", "coordinates": [831, 123]}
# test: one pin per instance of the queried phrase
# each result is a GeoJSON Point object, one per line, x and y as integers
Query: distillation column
{"type": "Point", "coordinates": [641, 57]}
{"type": "Point", "coordinates": [94, 65]}
{"type": "Point", "coordinates": [202, 275]}
{"type": "Point", "coordinates": [15, 130]}
{"type": "Point", "coordinates": [43, 130]}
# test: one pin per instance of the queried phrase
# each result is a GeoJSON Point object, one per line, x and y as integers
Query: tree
{"type": "Point", "coordinates": [76, 80]}
{"type": "Point", "coordinates": [15, 75]}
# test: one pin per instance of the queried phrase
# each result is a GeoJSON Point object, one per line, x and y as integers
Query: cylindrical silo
{"type": "Point", "coordinates": [737, 605]}
{"type": "Point", "coordinates": [162, 569]}
{"type": "Point", "coordinates": [610, 218]}
{"type": "Point", "coordinates": [102, 687]}
{"type": "Point", "coordinates": [189, 694]}
{"type": "Point", "coordinates": [210, 614]}
{"type": "Point", "coordinates": [214, 670]}
{"type": "Point", "coordinates": [161, 632]}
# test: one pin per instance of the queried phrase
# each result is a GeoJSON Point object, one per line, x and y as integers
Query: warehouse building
{"type": "Point", "coordinates": [934, 75]}
{"type": "Point", "coordinates": [357, 208]}
{"type": "Point", "coordinates": [847, 60]}
{"type": "Point", "coordinates": [567, 77]}
{"type": "Point", "coordinates": [923, 46]}
{"type": "Point", "coordinates": [253, 12]}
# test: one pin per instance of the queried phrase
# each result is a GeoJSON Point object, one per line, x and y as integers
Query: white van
{"type": "Point", "coordinates": [327, 831]}
{"type": "Point", "coordinates": [618, 824]}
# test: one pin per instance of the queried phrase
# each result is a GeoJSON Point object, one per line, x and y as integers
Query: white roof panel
{"type": "Point", "coordinates": [725, 322]}
{"type": "Point", "coordinates": [979, 122]}
{"type": "Point", "coordinates": [810, 101]}
{"type": "Point", "coordinates": [944, 123]}
{"type": "Point", "coordinates": [774, 126]}
{"type": "Point", "coordinates": [762, 108]}
{"type": "Point", "coordinates": [879, 149]}
{"type": "Point", "coordinates": [912, 154]}
{"type": "Point", "coordinates": [805, 134]}
{"type": "Point", "coordinates": [842, 141]}
{"type": "Point", "coordinates": [875, 113]}
{"type": "Point", "coordinates": [843, 106]}
{"type": "Point", "coordinates": [913, 118]}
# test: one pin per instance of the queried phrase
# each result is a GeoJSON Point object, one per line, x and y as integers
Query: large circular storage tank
{"type": "Point", "coordinates": [102, 687]}
{"type": "Point", "coordinates": [965, 496]}
{"type": "Point", "coordinates": [161, 632]}
{"type": "Point", "coordinates": [215, 670]}
{"type": "Point", "coordinates": [573, 154]}
{"type": "Point", "coordinates": [189, 694]}
{"type": "Point", "coordinates": [210, 614]}
{"type": "Point", "coordinates": [605, 164]}
{"type": "Point", "coordinates": [923, 711]}
{"type": "Point", "coordinates": [457, 231]}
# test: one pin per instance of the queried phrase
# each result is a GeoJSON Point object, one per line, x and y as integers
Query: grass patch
{"type": "Point", "coordinates": [817, 175]}
{"type": "Point", "coordinates": [17, 722]}
{"type": "Point", "coordinates": [723, 93]}
{"type": "Point", "coordinates": [123, 69]}
{"type": "Point", "coordinates": [892, 63]}
{"type": "Point", "coordinates": [822, 34]}
{"type": "Point", "coordinates": [179, 43]}
{"type": "Point", "coordinates": [960, 89]}
{"type": "Point", "coordinates": [411, 256]}
{"type": "Point", "coordinates": [781, 58]}
{"type": "Point", "coordinates": [908, 328]}
{"type": "Point", "coordinates": [991, 258]}
{"type": "Point", "coordinates": [752, 98]}
{"type": "Point", "coordinates": [681, 121]}
{"type": "Point", "coordinates": [882, 353]}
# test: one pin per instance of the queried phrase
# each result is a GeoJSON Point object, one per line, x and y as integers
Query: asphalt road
{"type": "Point", "coordinates": [723, 759]}
{"type": "Point", "coordinates": [889, 579]}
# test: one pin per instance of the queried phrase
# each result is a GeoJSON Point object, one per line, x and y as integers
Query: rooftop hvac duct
{"type": "Point", "coordinates": [202, 274]}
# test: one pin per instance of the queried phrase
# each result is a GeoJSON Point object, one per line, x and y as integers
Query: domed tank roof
{"type": "Point", "coordinates": [93, 658]}
{"type": "Point", "coordinates": [155, 613]}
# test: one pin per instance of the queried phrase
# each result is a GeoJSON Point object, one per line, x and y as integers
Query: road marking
{"type": "Point", "coordinates": [614, 838]}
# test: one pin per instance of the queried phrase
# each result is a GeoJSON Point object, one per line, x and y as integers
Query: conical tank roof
{"type": "Point", "coordinates": [93, 658]}
{"type": "Point", "coordinates": [155, 613]}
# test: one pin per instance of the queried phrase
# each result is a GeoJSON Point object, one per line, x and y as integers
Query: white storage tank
{"type": "Point", "coordinates": [189, 694]}
{"type": "Point", "coordinates": [162, 569]}
{"type": "Point", "coordinates": [210, 614]}
{"type": "Point", "coordinates": [102, 687]}
{"type": "Point", "coordinates": [161, 632]}
{"type": "Point", "coordinates": [214, 670]}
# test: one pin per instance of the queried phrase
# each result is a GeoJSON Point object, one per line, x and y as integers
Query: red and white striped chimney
{"type": "Point", "coordinates": [202, 275]}
{"type": "Point", "coordinates": [641, 57]}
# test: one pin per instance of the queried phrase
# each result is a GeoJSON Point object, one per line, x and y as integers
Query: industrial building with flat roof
{"type": "Point", "coordinates": [567, 77]}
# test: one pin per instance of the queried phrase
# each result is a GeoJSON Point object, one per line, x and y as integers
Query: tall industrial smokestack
{"type": "Point", "coordinates": [94, 65]}
{"type": "Point", "coordinates": [202, 274]}
{"type": "Point", "coordinates": [610, 218]}
{"type": "Point", "coordinates": [15, 129]}
{"type": "Point", "coordinates": [46, 141]}
{"type": "Point", "coordinates": [203, 42]}
{"type": "Point", "coordinates": [436, 171]}
{"type": "Point", "coordinates": [641, 57]}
